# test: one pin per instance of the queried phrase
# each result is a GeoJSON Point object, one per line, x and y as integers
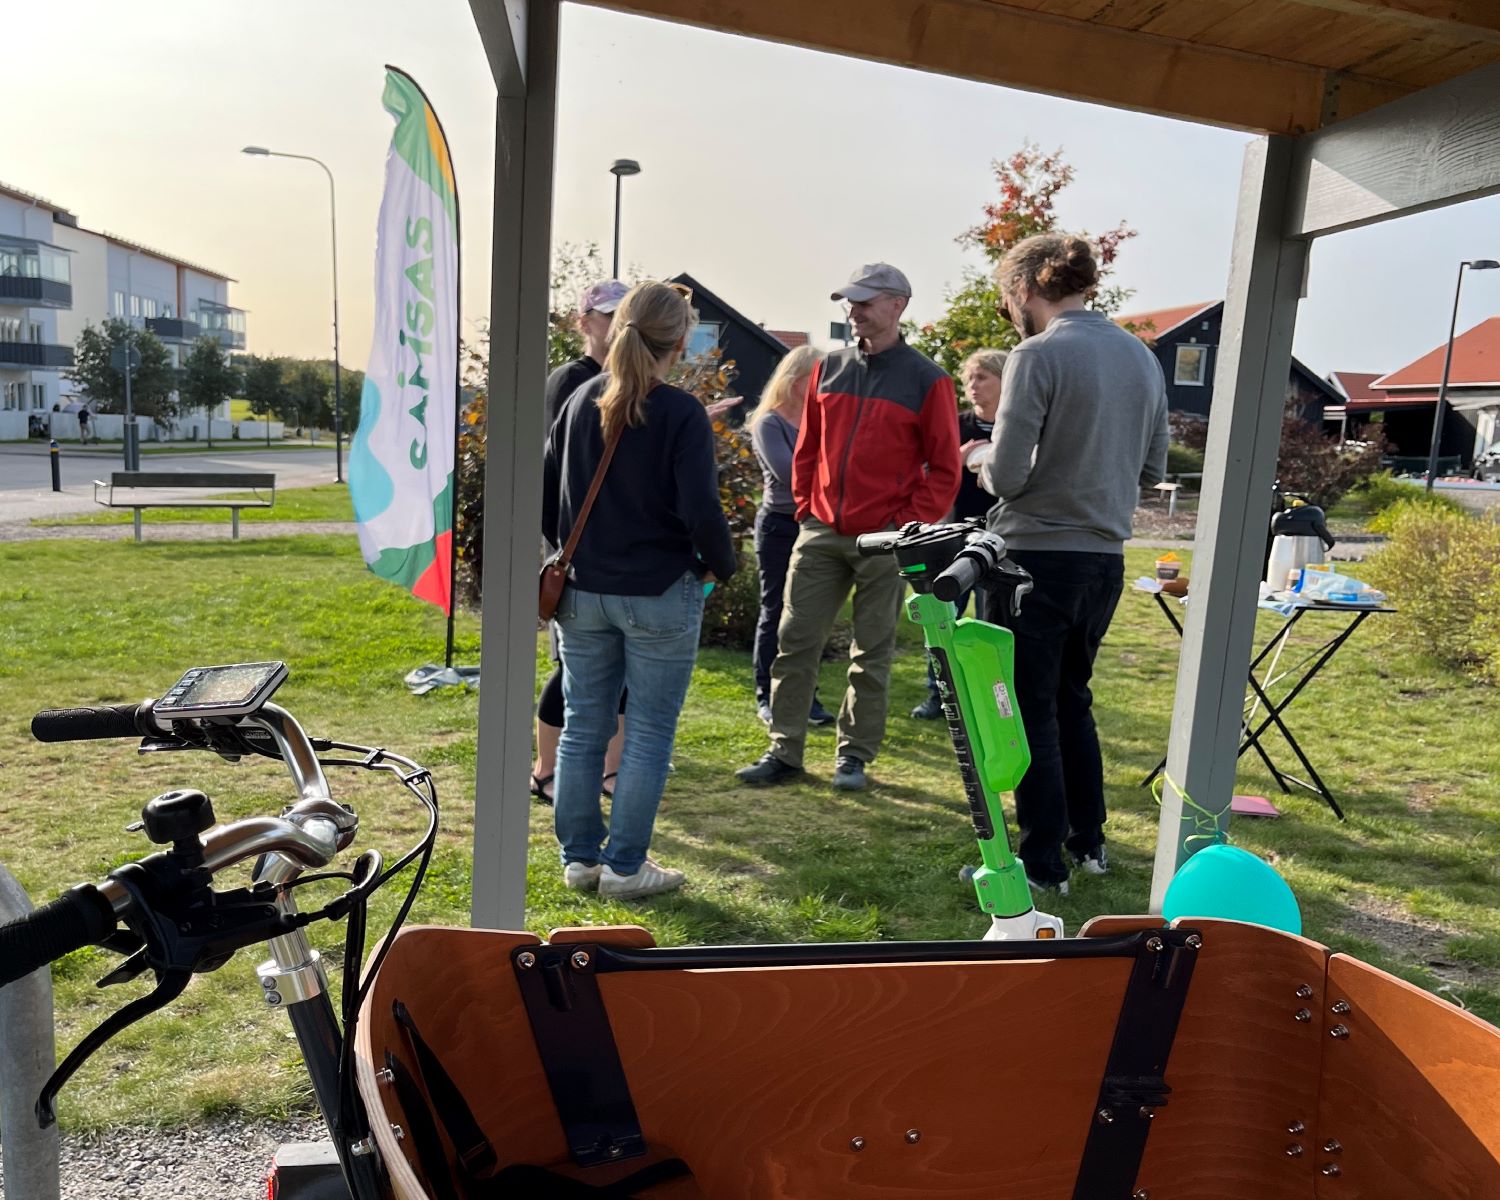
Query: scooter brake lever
{"type": "Point", "coordinates": [135, 965]}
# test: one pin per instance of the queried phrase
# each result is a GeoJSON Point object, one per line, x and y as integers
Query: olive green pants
{"type": "Point", "coordinates": [824, 566]}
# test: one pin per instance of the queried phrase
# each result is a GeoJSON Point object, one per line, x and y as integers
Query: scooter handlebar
{"type": "Point", "coordinates": [871, 544]}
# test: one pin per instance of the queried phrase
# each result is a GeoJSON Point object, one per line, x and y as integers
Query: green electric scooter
{"type": "Point", "coordinates": [974, 663]}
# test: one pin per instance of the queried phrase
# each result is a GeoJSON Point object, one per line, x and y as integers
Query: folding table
{"type": "Point", "coordinates": [1309, 666]}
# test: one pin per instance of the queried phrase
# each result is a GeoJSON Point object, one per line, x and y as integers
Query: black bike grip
{"type": "Point", "coordinates": [84, 724]}
{"type": "Point", "coordinates": [871, 544]}
{"type": "Point", "coordinates": [962, 575]}
{"type": "Point", "coordinates": [75, 919]}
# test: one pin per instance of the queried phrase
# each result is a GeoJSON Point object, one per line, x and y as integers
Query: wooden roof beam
{"type": "Point", "coordinates": [994, 43]}
{"type": "Point", "coordinates": [1478, 20]}
{"type": "Point", "coordinates": [1432, 148]}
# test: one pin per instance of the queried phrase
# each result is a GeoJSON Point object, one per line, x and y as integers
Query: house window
{"type": "Point", "coordinates": [119, 304]}
{"type": "Point", "coordinates": [10, 329]}
{"type": "Point", "coordinates": [13, 392]}
{"type": "Point", "coordinates": [704, 339]}
{"type": "Point", "coordinates": [38, 395]}
{"type": "Point", "coordinates": [135, 306]}
{"type": "Point", "coordinates": [148, 308]}
{"type": "Point", "coordinates": [1192, 366]}
{"type": "Point", "coordinates": [36, 331]}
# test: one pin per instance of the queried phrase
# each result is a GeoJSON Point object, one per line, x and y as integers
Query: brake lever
{"type": "Point", "coordinates": [169, 985]}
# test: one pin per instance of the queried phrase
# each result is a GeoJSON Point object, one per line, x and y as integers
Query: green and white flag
{"type": "Point", "coordinates": [401, 470]}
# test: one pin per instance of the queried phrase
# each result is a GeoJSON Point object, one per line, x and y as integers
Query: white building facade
{"type": "Point", "coordinates": [57, 277]}
{"type": "Point", "coordinates": [35, 289]}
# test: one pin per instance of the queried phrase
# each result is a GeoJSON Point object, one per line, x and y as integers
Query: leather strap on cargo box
{"type": "Point", "coordinates": [1134, 1084]}
{"type": "Point", "coordinates": [577, 1048]}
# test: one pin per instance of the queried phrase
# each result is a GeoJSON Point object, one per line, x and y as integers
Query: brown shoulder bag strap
{"type": "Point", "coordinates": [566, 556]}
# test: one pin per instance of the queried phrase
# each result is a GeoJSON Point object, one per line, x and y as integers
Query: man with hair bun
{"type": "Point", "coordinates": [1081, 428]}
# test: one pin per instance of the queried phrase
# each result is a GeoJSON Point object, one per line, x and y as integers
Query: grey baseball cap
{"type": "Point", "coordinates": [871, 280]}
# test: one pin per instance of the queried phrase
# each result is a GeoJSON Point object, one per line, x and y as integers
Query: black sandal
{"type": "Point", "coordinates": [608, 792]}
{"type": "Point", "coordinates": [539, 787]}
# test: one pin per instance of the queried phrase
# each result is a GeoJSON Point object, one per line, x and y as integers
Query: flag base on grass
{"type": "Point", "coordinates": [430, 677]}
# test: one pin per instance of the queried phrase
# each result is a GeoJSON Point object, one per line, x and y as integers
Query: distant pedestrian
{"type": "Point", "coordinates": [773, 430]}
{"type": "Point", "coordinates": [83, 425]}
{"type": "Point", "coordinates": [878, 447]}
{"type": "Point", "coordinates": [596, 310]}
{"type": "Point", "coordinates": [632, 610]}
{"type": "Point", "coordinates": [981, 379]}
{"type": "Point", "coordinates": [1081, 428]}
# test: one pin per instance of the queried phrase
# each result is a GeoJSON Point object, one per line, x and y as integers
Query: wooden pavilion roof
{"type": "Point", "coordinates": [1270, 66]}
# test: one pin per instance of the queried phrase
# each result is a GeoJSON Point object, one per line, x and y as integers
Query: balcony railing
{"type": "Point", "coordinates": [35, 292]}
{"type": "Point", "coordinates": [35, 354]}
{"type": "Point", "coordinates": [174, 329]}
{"type": "Point", "coordinates": [223, 322]}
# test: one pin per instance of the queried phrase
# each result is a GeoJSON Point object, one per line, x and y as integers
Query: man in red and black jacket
{"type": "Point", "coordinates": [878, 447]}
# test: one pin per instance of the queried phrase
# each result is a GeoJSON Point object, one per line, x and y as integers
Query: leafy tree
{"type": "Point", "coordinates": [309, 393]}
{"type": "Point", "coordinates": [152, 383]}
{"type": "Point", "coordinates": [573, 268]}
{"type": "Point", "coordinates": [265, 389]}
{"type": "Point", "coordinates": [1029, 182]}
{"type": "Point", "coordinates": [207, 377]}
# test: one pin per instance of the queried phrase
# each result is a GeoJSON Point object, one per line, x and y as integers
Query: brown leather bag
{"type": "Point", "coordinates": [554, 576]}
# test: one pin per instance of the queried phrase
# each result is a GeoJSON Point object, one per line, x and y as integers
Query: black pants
{"type": "Point", "coordinates": [774, 534]}
{"type": "Point", "coordinates": [1061, 799]}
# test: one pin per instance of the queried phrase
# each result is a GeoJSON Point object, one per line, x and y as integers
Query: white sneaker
{"type": "Point", "coordinates": [581, 876]}
{"type": "Point", "coordinates": [1060, 889]}
{"type": "Point", "coordinates": [651, 879]}
{"type": "Point", "coordinates": [1094, 863]}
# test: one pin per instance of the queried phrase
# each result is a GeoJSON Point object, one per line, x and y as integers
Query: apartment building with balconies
{"type": "Point", "coordinates": [57, 276]}
{"type": "Point", "coordinates": [35, 288]}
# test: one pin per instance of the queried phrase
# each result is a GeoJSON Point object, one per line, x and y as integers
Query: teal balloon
{"type": "Point", "coordinates": [1233, 884]}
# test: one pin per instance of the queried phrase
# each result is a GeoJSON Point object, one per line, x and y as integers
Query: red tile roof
{"type": "Point", "coordinates": [1153, 324]}
{"type": "Point", "coordinates": [1356, 386]}
{"type": "Point", "coordinates": [1476, 362]}
{"type": "Point", "coordinates": [788, 338]}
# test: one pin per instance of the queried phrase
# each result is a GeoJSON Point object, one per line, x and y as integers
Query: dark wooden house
{"type": "Point", "coordinates": [753, 350]}
{"type": "Point", "coordinates": [1185, 341]}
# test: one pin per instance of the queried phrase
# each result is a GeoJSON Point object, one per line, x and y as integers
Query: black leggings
{"type": "Point", "coordinates": [550, 710]}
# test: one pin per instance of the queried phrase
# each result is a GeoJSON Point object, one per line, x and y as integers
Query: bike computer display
{"type": "Point", "coordinates": [236, 690]}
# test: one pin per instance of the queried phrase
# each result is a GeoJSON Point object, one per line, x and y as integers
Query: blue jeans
{"type": "Point", "coordinates": [647, 645]}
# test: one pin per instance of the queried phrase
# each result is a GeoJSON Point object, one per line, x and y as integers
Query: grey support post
{"type": "Point", "coordinates": [520, 38]}
{"type": "Point", "coordinates": [1250, 386]}
{"type": "Point", "coordinates": [28, 1053]}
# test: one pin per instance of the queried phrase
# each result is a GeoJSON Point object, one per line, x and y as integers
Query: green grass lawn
{"type": "Point", "coordinates": [1409, 881]}
{"type": "Point", "coordinates": [324, 502]}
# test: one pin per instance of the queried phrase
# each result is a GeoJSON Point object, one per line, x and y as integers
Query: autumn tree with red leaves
{"type": "Point", "coordinates": [1029, 182]}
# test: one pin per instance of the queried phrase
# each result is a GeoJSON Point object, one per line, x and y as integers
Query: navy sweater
{"type": "Point", "coordinates": [658, 513]}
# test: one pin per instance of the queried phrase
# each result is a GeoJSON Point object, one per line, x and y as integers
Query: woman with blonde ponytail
{"type": "Point", "coordinates": [773, 430]}
{"type": "Point", "coordinates": [630, 615]}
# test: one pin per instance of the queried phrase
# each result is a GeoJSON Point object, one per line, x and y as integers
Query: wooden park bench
{"type": "Point", "coordinates": [187, 489]}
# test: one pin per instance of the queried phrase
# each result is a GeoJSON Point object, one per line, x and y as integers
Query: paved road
{"type": "Point", "coordinates": [26, 475]}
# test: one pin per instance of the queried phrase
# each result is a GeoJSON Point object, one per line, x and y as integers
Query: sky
{"type": "Point", "coordinates": [768, 172]}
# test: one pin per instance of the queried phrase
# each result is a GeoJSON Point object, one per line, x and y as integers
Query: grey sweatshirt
{"type": "Point", "coordinates": [1082, 427]}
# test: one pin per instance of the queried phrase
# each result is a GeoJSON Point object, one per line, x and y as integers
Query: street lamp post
{"type": "Point", "coordinates": [1478, 264]}
{"type": "Point", "coordinates": [620, 168]}
{"type": "Point", "coordinates": [338, 406]}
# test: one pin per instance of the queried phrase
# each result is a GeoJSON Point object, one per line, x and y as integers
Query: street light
{"type": "Point", "coordinates": [338, 407]}
{"type": "Point", "coordinates": [620, 168]}
{"type": "Point", "coordinates": [1478, 264]}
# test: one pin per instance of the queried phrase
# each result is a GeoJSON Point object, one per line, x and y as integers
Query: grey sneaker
{"type": "Point", "coordinates": [849, 773]}
{"type": "Point", "coordinates": [1060, 888]}
{"type": "Point", "coordinates": [652, 878]}
{"type": "Point", "coordinates": [763, 711]}
{"type": "Point", "coordinates": [1095, 862]}
{"type": "Point", "coordinates": [581, 876]}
